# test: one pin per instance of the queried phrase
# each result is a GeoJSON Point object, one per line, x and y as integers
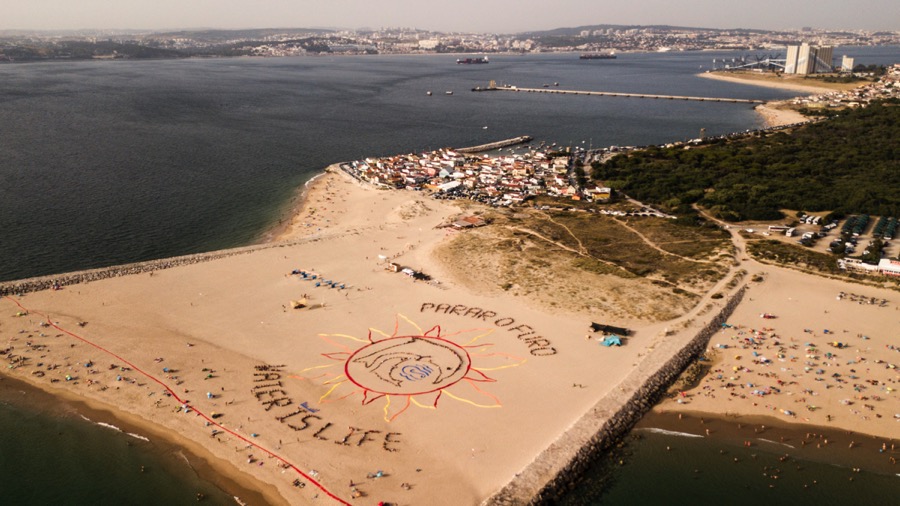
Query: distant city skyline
{"type": "Point", "coordinates": [473, 16]}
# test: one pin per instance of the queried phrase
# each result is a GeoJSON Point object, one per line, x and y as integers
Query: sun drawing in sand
{"type": "Point", "coordinates": [411, 367]}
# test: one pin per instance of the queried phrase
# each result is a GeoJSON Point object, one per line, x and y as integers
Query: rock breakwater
{"type": "Point", "coordinates": [558, 468]}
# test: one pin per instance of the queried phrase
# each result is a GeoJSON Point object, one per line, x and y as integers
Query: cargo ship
{"type": "Point", "coordinates": [597, 56]}
{"type": "Point", "coordinates": [471, 61]}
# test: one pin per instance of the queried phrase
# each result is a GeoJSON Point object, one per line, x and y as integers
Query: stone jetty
{"type": "Point", "coordinates": [558, 468]}
{"type": "Point", "coordinates": [496, 145]}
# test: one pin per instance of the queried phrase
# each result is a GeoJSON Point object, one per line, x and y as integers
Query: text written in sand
{"type": "Point", "coordinates": [537, 345]}
{"type": "Point", "coordinates": [300, 417]}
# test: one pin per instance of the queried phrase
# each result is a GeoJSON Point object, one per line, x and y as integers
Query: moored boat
{"type": "Point", "coordinates": [472, 61]}
{"type": "Point", "coordinates": [597, 56]}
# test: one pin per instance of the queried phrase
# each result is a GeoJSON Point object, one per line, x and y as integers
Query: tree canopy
{"type": "Point", "coordinates": [848, 164]}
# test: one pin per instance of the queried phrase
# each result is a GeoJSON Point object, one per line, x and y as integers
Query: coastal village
{"type": "Point", "coordinates": [496, 181]}
{"type": "Point", "coordinates": [887, 87]}
{"type": "Point", "coordinates": [508, 179]}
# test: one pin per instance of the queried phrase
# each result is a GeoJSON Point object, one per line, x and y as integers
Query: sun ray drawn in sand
{"type": "Point", "coordinates": [410, 367]}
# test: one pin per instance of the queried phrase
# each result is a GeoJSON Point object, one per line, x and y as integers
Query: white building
{"type": "Point", "coordinates": [847, 64]}
{"type": "Point", "coordinates": [885, 266]}
{"type": "Point", "coordinates": [428, 43]}
{"type": "Point", "coordinates": [889, 267]}
{"type": "Point", "coordinates": [805, 59]}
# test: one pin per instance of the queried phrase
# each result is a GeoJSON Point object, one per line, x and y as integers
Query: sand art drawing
{"type": "Point", "coordinates": [411, 366]}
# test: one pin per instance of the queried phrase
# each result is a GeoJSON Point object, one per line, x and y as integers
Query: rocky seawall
{"type": "Point", "coordinates": [57, 281]}
{"type": "Point", "coordinates": [558, 468]}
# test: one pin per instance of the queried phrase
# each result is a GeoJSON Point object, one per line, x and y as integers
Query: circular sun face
{"type": "Point", "coordinates": [411, 367]}
{"type": "Point", "coordinates": [408, 365]}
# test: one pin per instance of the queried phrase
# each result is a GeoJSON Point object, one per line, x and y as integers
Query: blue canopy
{"type": "Point", "coordinates": [611, 340]}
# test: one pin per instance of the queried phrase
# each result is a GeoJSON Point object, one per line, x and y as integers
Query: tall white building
{"type": "Point", "coordinates": [806, 59]}
{"type": "Point", "coordinates": [847, 64]}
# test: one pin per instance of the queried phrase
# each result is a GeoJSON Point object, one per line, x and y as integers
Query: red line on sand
{"type": "Point", "coordinates": [179, 399]}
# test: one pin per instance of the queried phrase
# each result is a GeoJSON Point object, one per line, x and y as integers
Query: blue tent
{"type": "Point", "coordinates": [612, 340]}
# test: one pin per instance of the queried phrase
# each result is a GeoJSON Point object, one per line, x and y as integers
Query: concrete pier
{"type": "Point", "coordinates": [496, 145]}
{"type": "Point", "coordinates": [617, 94]}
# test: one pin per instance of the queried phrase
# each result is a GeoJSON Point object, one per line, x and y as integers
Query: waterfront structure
{"type": "Point", "coordinates": [805, 59]}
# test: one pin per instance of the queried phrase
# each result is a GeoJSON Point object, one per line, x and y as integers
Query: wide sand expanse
{"type": "Point", "coordinates": [806, 350]}
{"type": "Point", "coordinates": [385, 387]}
{"type": "Point", "coordinates": [811, 350]}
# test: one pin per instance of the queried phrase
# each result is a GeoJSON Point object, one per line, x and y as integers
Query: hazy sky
{"type": "Point", "coordinates": [501, 16]}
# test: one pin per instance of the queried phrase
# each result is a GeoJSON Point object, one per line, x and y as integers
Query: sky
{"type": "Point", "coordinates": [474, 16]}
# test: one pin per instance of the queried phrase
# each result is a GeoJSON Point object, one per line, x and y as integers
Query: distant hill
{"type": "Point", "coordinates": [84, 50]}
{"type": "Point", "coordinates": [222, 36]}
{"type": "Point", "coordinates": [576, 30]}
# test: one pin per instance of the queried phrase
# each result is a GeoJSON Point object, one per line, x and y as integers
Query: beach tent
{"type": "Point", "coordinates": [612, 340]}
{"type": "Point", "coordinates": [609, 329]}
{"type": "Point", "coordinates": [298, 304]}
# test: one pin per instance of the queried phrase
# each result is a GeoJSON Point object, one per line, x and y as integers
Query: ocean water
{"type": "Point", "coordinates": [54, 452]}
{"type": "Point", "coordinates": [111, 162]}
{"type": "Point", "coordinates": [674, 468]}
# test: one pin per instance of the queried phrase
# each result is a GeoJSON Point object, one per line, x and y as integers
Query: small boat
{"type": "Point", "coordinates": [449, 92]}
{"type": "Point", "coordinates": [428, 93]}
{"type": "Point", "coordinates": [598, 56]}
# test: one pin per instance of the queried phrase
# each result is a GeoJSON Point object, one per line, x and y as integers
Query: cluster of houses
{"type": "Point", "coordinates": [886, 87]}
{"type": "Point", "coordinates": [496, 181]}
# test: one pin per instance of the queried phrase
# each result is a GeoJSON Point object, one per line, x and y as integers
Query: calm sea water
{"type": "Point", "coordinates": [111, 162]}
{"type": "Point", "coordinates": [673, 469]}
{"type": "Point", "coordinates": [51, 454]}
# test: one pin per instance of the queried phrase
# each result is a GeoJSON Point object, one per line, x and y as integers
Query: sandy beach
{"type": "Point", "coordinates": [807, 351]}
{"type": "Point", "coordinates": [800, 348]}
{"type": "Point", "coordinates": [785, 83]}
{"type": "Point", "coordinates": [777, 114]}
{"type": "Point", "coordinates": [774, 113]}
{"type": "Point", "coordinates": [381, 387]}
